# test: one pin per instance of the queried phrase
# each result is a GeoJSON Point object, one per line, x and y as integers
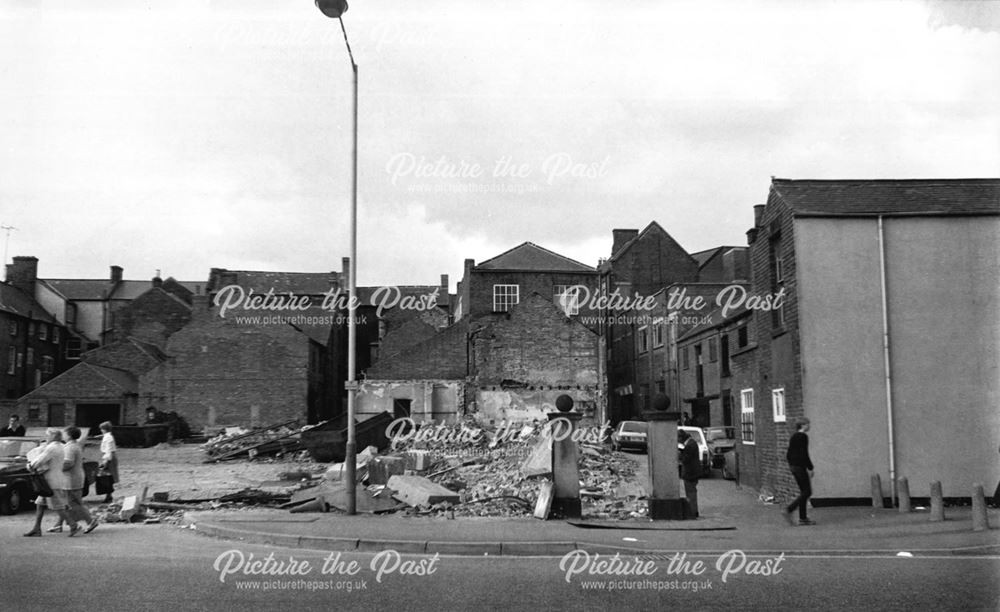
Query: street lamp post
{"type": "Point", "coordinates": [334, 9]}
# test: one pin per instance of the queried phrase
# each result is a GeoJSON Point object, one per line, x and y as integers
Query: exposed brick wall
{"type": "Point", "coordinates": [480, 287]}
{"type": "Point", "coordinates": [225, 373]}
{"type": "Point", "coordinates": [778, 354]}
{"type": "Point", "coordinates": [404, 332]}
{"type": "Point", "coordinates": [536, 345]}
{"type": "Point", "coordinates": [442, 356]}
{"type": "Point", "coordinates": [152, 317]}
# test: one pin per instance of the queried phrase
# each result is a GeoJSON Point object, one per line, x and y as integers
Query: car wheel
{"type": "Point", "coordinates": [12, 502]}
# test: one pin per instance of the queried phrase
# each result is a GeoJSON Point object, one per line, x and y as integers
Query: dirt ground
{"type": "Point", "coordinates": [180, 471]}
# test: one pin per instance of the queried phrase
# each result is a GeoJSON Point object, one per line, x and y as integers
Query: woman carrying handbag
{"type": "Point", "coordinates": [49, 463]}
{"type": "Point", "coordinates": [108, 467]}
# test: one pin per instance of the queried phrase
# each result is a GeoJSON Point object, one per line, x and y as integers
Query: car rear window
{"type": "Point", "coordinates": [633, 427]}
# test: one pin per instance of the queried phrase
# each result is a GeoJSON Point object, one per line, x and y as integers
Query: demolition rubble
{"type": "Point", "coordinates": [460, 470]}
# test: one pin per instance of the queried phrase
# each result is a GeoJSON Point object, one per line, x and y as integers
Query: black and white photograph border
{"type": "Point", "coordinates": [684, 304]}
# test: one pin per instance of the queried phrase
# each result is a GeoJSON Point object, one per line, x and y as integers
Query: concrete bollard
{"type": "Point", "coordinates": [904, 494]}
{"type": "Point", "coordinates": [937, 502]}
{"type": "Point", "coordinates": [877, 491]}
{"type": "Point", "coordinates": [665, 503]}
{"type": "Point", "coordinates": [980, 521]}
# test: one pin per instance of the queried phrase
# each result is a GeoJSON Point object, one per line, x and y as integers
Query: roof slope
{"type": "Point", "coordinates": [17, 302]}
{"type": "Point", "coordinates": [528, 256]}
{"type": "Point", "coordinates": [889, 196]}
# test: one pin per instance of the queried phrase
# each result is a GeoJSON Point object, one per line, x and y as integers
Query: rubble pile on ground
{"type": "Point", "coordinates": [495, 472]}
{"type": "Point", "coordinates": [277, 439]}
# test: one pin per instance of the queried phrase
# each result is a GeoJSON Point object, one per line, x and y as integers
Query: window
{"type": "Point", "coordinates": [713, 351]}
{"type": "Point", "coordinates": [43, 332]}
{"type": "Point", "coordinates": [658, 333]}
{"type": "Point", "coordinates": [11, 358]}
{"type": "Point", "coordinates": [48, 365]}
{"type": "Point", "coordinates": [20, 360]}
{"type": "Point", "coordinates": [55, 335]}
{"type": "Point", "coordinates": [73, 348]}
{"type": "Point", "coordinates": [779, 269]}
{"type": "Point", "coordinates": [742, 337]}
{"type": "Point", "coordinates": [746, 415]}
{"type": "Point", "coordinates": [31, 356]}
{"type": "Point", "coordinates": [661, 386]}
{"type": "Point", "coordinates": [504, 297]}
{"type": "Point", "coordinates": [31, 328]}
{"type": "Point", "coordinates": [567, 298]}
{"type": "Point", "coordinates": [778, 403]}
{"type": "Point", "coordinates": [685, 362]}
{"type": "Point", "coordinates": [643, 339]}
{"type": "Point", "coordinates": [12, 327]}
{"type": "Point", "coordinates": [38, 379]}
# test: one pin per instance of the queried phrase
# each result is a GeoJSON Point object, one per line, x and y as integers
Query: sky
{"type": "Point", "coordinates": [189, 135]}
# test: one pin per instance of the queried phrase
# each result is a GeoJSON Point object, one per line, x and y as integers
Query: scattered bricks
{"type": "Point", "coordinates": [383, 468]}
{"type": "Point", "coordinates": [937, 502]}
{"type": "Point", "coordinates": [980, 521]}
{"type": "Point", "coordinates": [877, 491]}
{"type": "Point", "coordinates": [904, 494]}
{"type": "Point", "coordinates": [419, 491]}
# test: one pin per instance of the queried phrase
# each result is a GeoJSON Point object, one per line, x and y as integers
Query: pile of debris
{"type": "Point", "coordinates": [276, 439]}
{"type": "Point", "coordinates": [468, 470]}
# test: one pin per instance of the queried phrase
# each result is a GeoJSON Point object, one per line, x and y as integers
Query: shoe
{"type": "Point", "coordinates": [91, 526]}
{"type": "Point", "coordinates": [806, 522]}
{"type": "Point", "coordinates": [788, 517]}
{"type": "Point", "coordinates": [34, 533]}
{"type": "Point", "coordinates": [56, 529]}
{"type": "Point", "coordinates": [75, 529]}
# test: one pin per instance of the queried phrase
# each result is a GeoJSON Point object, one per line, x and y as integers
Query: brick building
{"type": "Point", "coordinates": [887, 338]}
{"type": "Point", "coordinates": [32, 341]}
{"type": "Point", "coordinates": [154, 315]}
{"type": "Point", "coordinates": [639, 342]}
{"type": "Point", "coordinates": [103, 386]}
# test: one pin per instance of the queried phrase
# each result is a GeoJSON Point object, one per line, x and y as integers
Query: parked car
{"type": "Point", "coordinates": [15, 488]}
{"type": "Point", "coordinates": [630, 434]}
{"type": "Point", "coordinates": [699, 437]}
{"type": "Point", "coordinates": [721, 440]}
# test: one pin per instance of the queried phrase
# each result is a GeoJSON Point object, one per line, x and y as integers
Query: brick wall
{"type": "Point", "coordinates": [778, 354]}
{"type": "Point", "coordinates": [222, 372]}
{"type": "Point", "coordinates": [443, 356]}
{"type": "Point", "coordinates": [152, 317]}
{"type": "Point", "coordinates": [536, 345]}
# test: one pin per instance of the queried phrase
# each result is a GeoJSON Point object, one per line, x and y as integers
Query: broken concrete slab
{"type": "Point", "coordinates": [544, 504]}
{"type": "Point", "coordinates": [419, 491]}
{"type": "Point", "coordinates": [383, 468]}
{"type": "Point", "coordinates": [539, 462]}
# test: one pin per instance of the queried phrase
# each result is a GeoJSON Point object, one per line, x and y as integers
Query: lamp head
{"type": "Point", "coordinates": [332, 8]}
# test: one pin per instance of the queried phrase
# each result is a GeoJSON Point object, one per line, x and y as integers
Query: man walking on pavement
{"type": "Point", "coordinates": [802, 469]}
{"type": "Point", "coordinates": [690, 469]}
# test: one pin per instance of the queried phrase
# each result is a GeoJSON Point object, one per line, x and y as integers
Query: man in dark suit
{"type": "Point", "coordinates": [14, 428]}
{"type": "Point", "coordinates": [690, 469]}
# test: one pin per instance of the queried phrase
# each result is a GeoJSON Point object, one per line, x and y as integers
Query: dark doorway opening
{"type": "Point", "coordinates": [90, 416]}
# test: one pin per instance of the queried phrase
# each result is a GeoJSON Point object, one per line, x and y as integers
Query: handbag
{"type": "Point", "coordinates": [40, 486]}
{"type": "Point", "coordinates": [104, 484]}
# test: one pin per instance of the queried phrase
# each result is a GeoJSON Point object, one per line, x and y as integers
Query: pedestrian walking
{"type": "Point", "coordinates": [73, 467]}
{"type": "Point", "coordinates": [802, 470]}
{"type": "Point", "coordinates": [109, 457]}
{"type": "Point", "coordinates": [49, 463]}
{"type": "Point", "coordinates": [690, 469]}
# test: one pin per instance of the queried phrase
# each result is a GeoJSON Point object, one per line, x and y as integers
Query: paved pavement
{"type": "Point", "coordinates": [732, 518]}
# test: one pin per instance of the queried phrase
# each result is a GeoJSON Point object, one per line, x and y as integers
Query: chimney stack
{"type": "Point", "coordinates": [23, 273]}
{"type": "Point", "coordinates": [621, 236]}
{"type": "Point", "coordinates": [116, 274]}
{"type": "Point", "coordinates": [157, 281]}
